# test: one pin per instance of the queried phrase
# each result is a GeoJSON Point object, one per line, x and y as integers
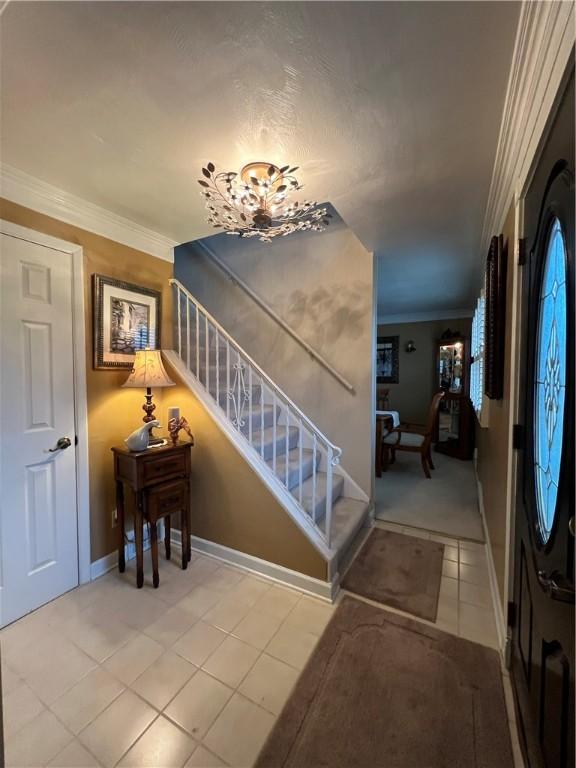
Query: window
{"type": "Point", "coordinates": [477, 352]}
{"type": "Point", "coordinates": [550, 380]}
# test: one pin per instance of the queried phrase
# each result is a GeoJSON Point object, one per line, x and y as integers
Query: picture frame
{"type": "Point", "coordinates": [387, 363]}
{"type": "Point", "coordinates": [495, 318]}
{"type": "Point", "coordinates": [126, 319]}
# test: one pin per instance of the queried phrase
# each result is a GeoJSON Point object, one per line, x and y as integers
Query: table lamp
{"type": "Point", "coordinates": [148, 371]}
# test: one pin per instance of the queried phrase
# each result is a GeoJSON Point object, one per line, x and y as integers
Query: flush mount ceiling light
{"type": "Point", "coordinates": [257, 202]}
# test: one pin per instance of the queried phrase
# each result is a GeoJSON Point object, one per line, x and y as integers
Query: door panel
{"type": "Point", "coordinates": [543, 635]}
{"type": "Point", "coordinates": [38, 519]}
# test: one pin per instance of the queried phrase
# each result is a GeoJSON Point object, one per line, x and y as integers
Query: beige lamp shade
{"type": "Point", "coordinates": [148, 370]}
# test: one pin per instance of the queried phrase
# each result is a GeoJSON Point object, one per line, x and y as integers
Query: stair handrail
{"type": "Point", "coordinates": [336, 451]}
{"type": "Point", "coordinates": [237, 280]}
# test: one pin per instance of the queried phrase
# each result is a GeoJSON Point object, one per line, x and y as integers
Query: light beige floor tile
{"type": "Point", "coordinates": [19, 708]}
{"type": "Point", "coordinates": [477, 624]}
{"type": "Point", "coordinates": [74, 756]}
{"type": "Point", "coordinates": [199, 600]}
{"type": "Point", "coordinates": [135, 607]}
{"type": "Point", "coordinates": [447, 617]}
{"type": "Point", "coordinates": [474, 574]}
{"type": "Point", "coordinates": [133, 658]}
{"type": "Point", "coordinates": [87, 699]}
{"type": "Point", "coordinates": [269, 683]}
{"type": "Point", "coordinates": [450, 569]}
{"type": "Point", "coordinates": [98, 632]}
{"type": "Point", "coordinates": [292, 645]}
{"type": "Point", "coordinates": [250, 589]}
{"type": "Point", "coordinates": [231, 661]}
{"type": "Point", "coordinates": [114, 731]}
{"type": "Point", "coordinates": [451, 552]}
{"type": "Point", "coordinates": [227, 613]}
{"type": "Point", "coordinates": [239, 732]}
{"type": "Point", "coordinates": [472, 546]}
{"type": "Point", "coordinates": [224, 578]}
{"type": "Point", "coordinates": [10, 680]}
{"type": "Point", "coordinates": [162, 681]}
{"type": "Point", "coordinates": [198, 704]}
{"type": "Point", "coordinates": [202, 567]}
{"type": "Point", "coordinates": [448, 588]}
{"type": "Point", "coordinates": [199, 642]}
{"type": "Point", "coordinates": [171, 626]}
{"type": "Point", "coordinates": [475, 595]}
{"type": "Point", "coordinates": [202, 758]}
{"type": "Point", "coordinates": [277, 601]}
{"type": "Point", "coordinates": [163, 745]}
{"type": "Point", "coordinates": [310, 615]}
{"type": "Point", "coordinates": [257, 628]}
{"type": "Point", "coordinates": [37, 742]}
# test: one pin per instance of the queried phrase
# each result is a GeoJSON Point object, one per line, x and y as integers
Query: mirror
{"type": "Point", "coordinates": [450, 366]}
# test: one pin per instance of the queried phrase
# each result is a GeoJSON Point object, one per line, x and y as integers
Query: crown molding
{"type": "Point", "coordinates": [422, 317]}
{"type": "Point", "coordinates": [26, 190]}
{"type": "Point", "coordinates": [542, 53]}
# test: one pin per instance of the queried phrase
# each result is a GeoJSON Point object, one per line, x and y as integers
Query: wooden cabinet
{"type": "Point", "coordinates": [454, 431]}
{"type": "Point", "coordinates": [159, 479]}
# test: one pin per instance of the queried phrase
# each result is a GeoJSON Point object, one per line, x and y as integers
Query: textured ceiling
{"type": "Point", "coordinates": [392, 110]}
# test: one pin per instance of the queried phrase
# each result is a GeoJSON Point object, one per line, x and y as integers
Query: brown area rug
{"type": "Point", "coordinates": [384, 690]}
{"type": "Point", "coordinates": [398, 570]}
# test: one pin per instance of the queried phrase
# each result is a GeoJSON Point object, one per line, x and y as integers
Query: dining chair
{"type": "Point", "coordinates": [413, 438]}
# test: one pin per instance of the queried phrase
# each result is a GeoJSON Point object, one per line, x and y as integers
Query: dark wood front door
{"type": "Point", "coordinates": [543, 629]}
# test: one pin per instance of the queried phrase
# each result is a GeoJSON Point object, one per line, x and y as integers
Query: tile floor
{"type": "Point", "coordinates": [192, 674]}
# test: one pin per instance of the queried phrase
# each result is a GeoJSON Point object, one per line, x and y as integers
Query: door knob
{"type": "Point", "coordinates": [61, 445]}
{"type": "Point", "coordinates": [556, 586]}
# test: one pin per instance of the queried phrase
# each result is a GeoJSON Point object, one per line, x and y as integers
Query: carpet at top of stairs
{"type": "Point", "coordinates": [398, 570]}
{"type": "Point", "coordinates": [382, 690]}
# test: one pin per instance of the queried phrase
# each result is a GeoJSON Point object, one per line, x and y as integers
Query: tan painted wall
{"type": "Point", "coordinates": [321, 285]}
{"type": "Point", "coordinates": [417, 381]}
{"type": "Point", "coordinates": [492, 442]}
{"type": "Point", "coordinates": [230, 505]}
{"type": "Point", "coordinates": [112, 412]}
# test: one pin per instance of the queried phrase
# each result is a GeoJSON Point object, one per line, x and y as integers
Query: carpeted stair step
{"type": "Point", "coordinates": [294, 464]}
{"type": "Point", "coordinates": [261, 417]}
{"type": "Point", "coordinates": [267, 439]}
{"type": "Point", "coordinates": [321, 487]}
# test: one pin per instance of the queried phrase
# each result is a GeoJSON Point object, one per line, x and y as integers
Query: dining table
{"type": "Point", "coordinates": [386, 421]}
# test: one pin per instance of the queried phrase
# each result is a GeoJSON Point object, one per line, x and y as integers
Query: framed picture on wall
{"type": "Point", "coordinates": [126, 319]}
{"type": "Point", "coordinates": [387, 360]}
{"type": "Point", "coordinates": [495, 319]}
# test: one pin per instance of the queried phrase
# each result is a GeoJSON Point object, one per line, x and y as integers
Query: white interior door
{"type": "Point", "coordinates": [38, 517]}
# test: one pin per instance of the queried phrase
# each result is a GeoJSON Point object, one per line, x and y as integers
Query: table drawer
{"type": "Point", "coordinates": [158, 468]}
{"type": "Point", "coordinates": [166, 498]}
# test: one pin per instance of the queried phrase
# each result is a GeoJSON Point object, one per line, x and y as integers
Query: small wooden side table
{"type": "Point", "coordinates": [159, 479]}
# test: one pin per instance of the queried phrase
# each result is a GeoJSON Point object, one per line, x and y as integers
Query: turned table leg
{"type": "Point", "coordinates": [167, 536]}
{"type": "Point", "coordinates": [154, 550]}
{"type": "Point", "coordinates": [138, 538]}
{"type": "Point", "coordinates": [120, 513]}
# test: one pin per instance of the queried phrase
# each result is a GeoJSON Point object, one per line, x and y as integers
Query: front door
{"type": "Point", "coordinates": [38, 520]}
{"type": "Point", "coordinates": [543, 630]}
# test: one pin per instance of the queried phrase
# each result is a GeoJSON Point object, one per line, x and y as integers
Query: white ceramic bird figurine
{"type": "Point", "coordinates": [138, 440]}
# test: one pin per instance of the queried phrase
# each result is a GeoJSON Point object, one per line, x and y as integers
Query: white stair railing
{"type": "Point", "coordinates": [260, 412]}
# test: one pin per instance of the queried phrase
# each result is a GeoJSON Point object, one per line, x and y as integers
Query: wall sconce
{"type": "Point", "coordinates": [410, 346]}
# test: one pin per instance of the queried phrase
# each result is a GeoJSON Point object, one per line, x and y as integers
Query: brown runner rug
{"type": "Point", "coordinates": [384, 690]}
{"type": "Point", "coordinates": [400, 571]}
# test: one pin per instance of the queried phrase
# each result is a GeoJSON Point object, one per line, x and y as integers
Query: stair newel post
{"type": "Point", "coordinates": [188, 332]}
{"type": "Point", "coordinates": [261, 417]}
{"type": "Point", "coordinates": [197, 343]}
{"type": "Point", "coordinates": [207, 352]}
{"type": "Point", "coordinates": [249, 404]}
{"type": "Point", "coordinates": [286, 457]}
{"type": "Point", "coordinates": [179, 323]}
{"type": "Point", "coordinates": [228, 392]}
{"type": "Point", "coordinates": [314, 450]}
{"type": "Point", "coordinates": [300, 468]}
{"type": "Point", "coordinates": [329, 470]}
{"type": "Point", "coordinates": [274, 434]}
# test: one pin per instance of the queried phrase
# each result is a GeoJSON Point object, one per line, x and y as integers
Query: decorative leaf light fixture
{"type": "Point", "coordinates": [257, 202]}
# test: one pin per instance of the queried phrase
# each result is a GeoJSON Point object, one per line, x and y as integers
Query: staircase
{"type": "Point", "coordinates": [290, 454]}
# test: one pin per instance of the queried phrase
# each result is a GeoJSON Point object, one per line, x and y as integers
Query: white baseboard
{"type": "Point", "coordinates": [501, 629]}
{"type": "Point", "coordinates": [109, 562]}
{"type": "Point", "coordinates": [271, 571]}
